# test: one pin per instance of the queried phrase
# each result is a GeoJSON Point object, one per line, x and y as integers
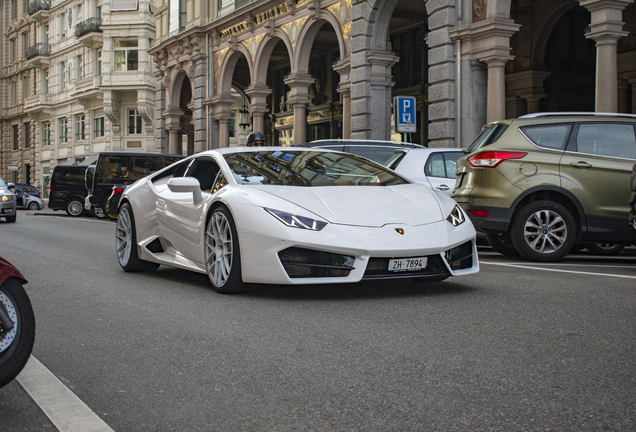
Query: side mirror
{"type": "Point", "coordinates": [186, 185]}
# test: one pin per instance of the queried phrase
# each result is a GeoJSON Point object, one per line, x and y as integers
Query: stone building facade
{"type": "Point", "coordinates": [308, 69]}
{"type": "Point", "coordinates": [84, 83]}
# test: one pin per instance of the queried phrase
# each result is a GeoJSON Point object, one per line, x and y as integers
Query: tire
{"type": "Point", "coordinates": [126, 243]}
{"type": "Point", "coordinates": [16, 344]}
{"type": "Point", "coordinates": [98, 212]}
{"type": "Point", "coordinates": [604, 249]}
{"type": "Point", "coordinates": [222, 253]}
{"type": "Point", "coordinates": [502, 243]}
{"type": "Point", "coordinates": [106, 214]}
{"type": "Point", "coordinates": [75, 207]}
{"type": "Point", "coordinates": [34, 206]}
{"type": "Point", "coordinates": [13, 218]}
{"type": "Point", "coordinates": [543, 231]}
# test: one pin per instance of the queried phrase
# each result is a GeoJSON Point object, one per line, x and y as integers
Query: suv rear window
{"type": "Point", "coordinates": [548, 136]}
{"type": "Point", "coordinates": [489, 134]}
{"type": "Point", "coordinates": [124, 170]}
{"type": "Point", "coordinates": [68, 175]}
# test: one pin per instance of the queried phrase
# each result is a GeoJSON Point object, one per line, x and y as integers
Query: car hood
{"type": "Point", "coordinates": [375, 206]}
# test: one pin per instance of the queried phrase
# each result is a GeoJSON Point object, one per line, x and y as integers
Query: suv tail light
{"type": "Point", "coordinates": [118, 190]}
{"type": "Point", "coordinates": [492, 159]}
{"type": "Point", "coordinates": [50, 187]}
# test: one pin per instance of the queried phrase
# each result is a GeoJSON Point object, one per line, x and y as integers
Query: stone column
{"type": "Point", "coordinates": [605, 30]}
{"type": "Point", "coordinates": [199, 97]}
{"type": "Point", "coordinates": [299, 84]}
{"type": "Point", "coordinates": [222, 108]}
{"type": "Point", "coordinates": [258, 106]}
{"type": "Point", "coordinates": [172, 118]}
{"type": "Point", "coordinates": [381, 82]}
{"type": "Point", "coordinates": [496, 89]}
{"type": "Point", "coordinates": [344, 88]}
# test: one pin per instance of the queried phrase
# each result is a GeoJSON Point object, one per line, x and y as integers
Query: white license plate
{"type": "Point", "coordinates": [407, 264]}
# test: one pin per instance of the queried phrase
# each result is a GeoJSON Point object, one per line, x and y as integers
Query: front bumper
{"type": "Point", "coordinates": [7, 208]}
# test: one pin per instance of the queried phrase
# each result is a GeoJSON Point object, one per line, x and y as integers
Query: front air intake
{"type": "Point", "coordinates": [308, 263]}
{"type": "Point", "coordinates": [460, 257]}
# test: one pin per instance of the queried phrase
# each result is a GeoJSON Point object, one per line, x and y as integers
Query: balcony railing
{"type": "Point", "coordinates": [38, 5]}
{"type": "Point", "coordinates": [88, 26]}
{"type": "Point", "coordinates": [39, 49]}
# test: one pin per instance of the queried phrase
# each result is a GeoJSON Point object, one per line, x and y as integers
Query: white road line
{"type": "Point", "coordinates": [557, 270]}
{"type": "Point", "coordinates": [65, 410]}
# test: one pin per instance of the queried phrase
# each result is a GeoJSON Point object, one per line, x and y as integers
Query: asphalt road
{"type": "Point", "coordinates": [519, 346]}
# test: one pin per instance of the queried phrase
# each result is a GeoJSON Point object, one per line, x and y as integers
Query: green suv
{"type": "Point", "coordinates": [542, 183]}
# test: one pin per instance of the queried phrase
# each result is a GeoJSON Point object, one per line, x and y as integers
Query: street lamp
{"type": "Point", "coordinates": [244, 116]}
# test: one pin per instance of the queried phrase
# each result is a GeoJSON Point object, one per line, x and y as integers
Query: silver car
{"type": "Point", "coordinates": [7, 202]}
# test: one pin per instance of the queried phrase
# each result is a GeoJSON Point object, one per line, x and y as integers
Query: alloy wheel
{"type": "Point", "coordinates": [545, 231]}
{"type": "Point", "coordinates": [218, 249]}
{"type": "Point", "coordinates": [123, 239]}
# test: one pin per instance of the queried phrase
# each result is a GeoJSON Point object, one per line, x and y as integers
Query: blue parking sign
{"type": "Point", "coordinates": [404, 114]}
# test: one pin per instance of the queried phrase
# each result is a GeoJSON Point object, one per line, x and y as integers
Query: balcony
{"type": "Point", "coordinates": [37, 103]}
{"type": "Point", "coordinates": [39, 10]}
{"type": "Point", "coordinates": [87, 88]}
{"type": "Point", "coordinates": [38, 54]}
{"type": "Point", "coordinates": [88, 32]}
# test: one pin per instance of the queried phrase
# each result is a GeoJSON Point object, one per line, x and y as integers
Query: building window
{"type": "Point", "coordinates": [63, 130]}
{"type": "Point", "coordinates": [126, 55]}
{"type": "Point", "coordinates": [99, 127]}
{"type": "Point", "coordinates": [25, 6]}
{"type": "Point", "coordinates": [134, 122]}
{"type": "Point", "coordinates": [80, 67]}
{"type": "Point", "coordinates": [12, 51]}
{"type": "Point", "coordinates": [25, 41]}
{"type": "Point", "coordinates": [13, 93]}
{"type": "Point", "coordinates": [61, 25]}
{"type": "Point", "coordinates": [183, 14]}
{"type": "Point", "coordinates": [45, 36]}
{"type": "Point", "coordinates": [27, 134]}
{"type": "Point", "coordinates": [46, 133]}
{"type": "Point", "coordinates": [79, 127]}
{"type": "Point", "coordinates": [62, 72]}
{"type": "Point", "coordinates": [98, 63]}
{"type": "Point", "coordinates": [14, 9]}
{"type": "Point", "coordinates": [16, 143]}
{"type": "Point", "coordinates": [98, 12]}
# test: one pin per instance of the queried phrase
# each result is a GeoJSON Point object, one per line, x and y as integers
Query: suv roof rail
{"type": "Point", "coordinates": [365, 141]}
{"type": "Point", "coordinates": [548, 114]}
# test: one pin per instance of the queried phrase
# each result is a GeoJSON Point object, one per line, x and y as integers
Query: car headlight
{"type": "Point", "coordinates": [295, 221]}
{"type": "Point", "coordinates": [456, 216]}
{"type": "Point", "coordinates": [7, 198]}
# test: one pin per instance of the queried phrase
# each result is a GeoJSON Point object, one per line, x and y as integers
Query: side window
{"type": "Point", "coordinates": [435, 166]}
{"type": "Point", "coordinates": [205, 170]}
{"type": "Point", "coordinates": [548, 136]}
{"type": "Point", "coordinates": [442, 164]}
{"type": "Point", "coordinates": [142, 166]}
{"type": "Point", "coordinates": [377, 154]}
{"type": "Point", "coordinates": [606, 139]}
{"type": "Point", "coordinates": [221, 182]}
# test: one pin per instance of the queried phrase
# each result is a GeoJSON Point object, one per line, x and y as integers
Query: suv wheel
{"type": "Point", "coordinates": [502, 243]}
{"type": "Point", "coordinates": [75, 207]}
{"type": "Point", "coordinates": [605, 249]}
{"type": "Point", "coordinates": [543, 231]}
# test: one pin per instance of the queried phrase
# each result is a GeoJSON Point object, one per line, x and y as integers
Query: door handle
{"type": "Point", "coordinates": [442, 187]}
{"type": "Point", "coordinates": [580, 164]}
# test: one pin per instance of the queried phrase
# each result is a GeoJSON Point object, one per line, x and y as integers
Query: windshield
{"type": "Point", "coordinates": [2, 183]}
{"type": "Point", "coordinates": [308, 168]}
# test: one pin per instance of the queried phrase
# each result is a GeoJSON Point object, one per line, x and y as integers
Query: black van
{"type": "Point", "coordinates": [67, 189]}
{"type": "Point", "coordinates": [120, 169]}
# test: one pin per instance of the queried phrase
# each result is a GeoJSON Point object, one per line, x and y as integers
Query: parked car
{"type": "Point", "coordinates": [114, 198]}
{"type": "Point", "coordinates": [67, 189]}
{"type": "Point", "coordinates": [7, 202]}
{"type": "Point", "coordinates": [434, 167]}
{"type": "Point", "coordinates": [273, 215]}
{"type": "Point", "coordinates": [542, 183]}
{"type": "Point", "coordinates": [632, 203]}
{"type": "Point", "coordinates": [27, 197]}
{"type": "Point", "coordinates": [119, 169]}
{"type": "Point", "coordinates": [377, 151]}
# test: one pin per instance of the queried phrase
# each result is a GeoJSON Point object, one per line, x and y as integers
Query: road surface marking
{"type": "Point", "coordinates": [557, 270]}
{"type": "Point", "coordinates": [65, 410]}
